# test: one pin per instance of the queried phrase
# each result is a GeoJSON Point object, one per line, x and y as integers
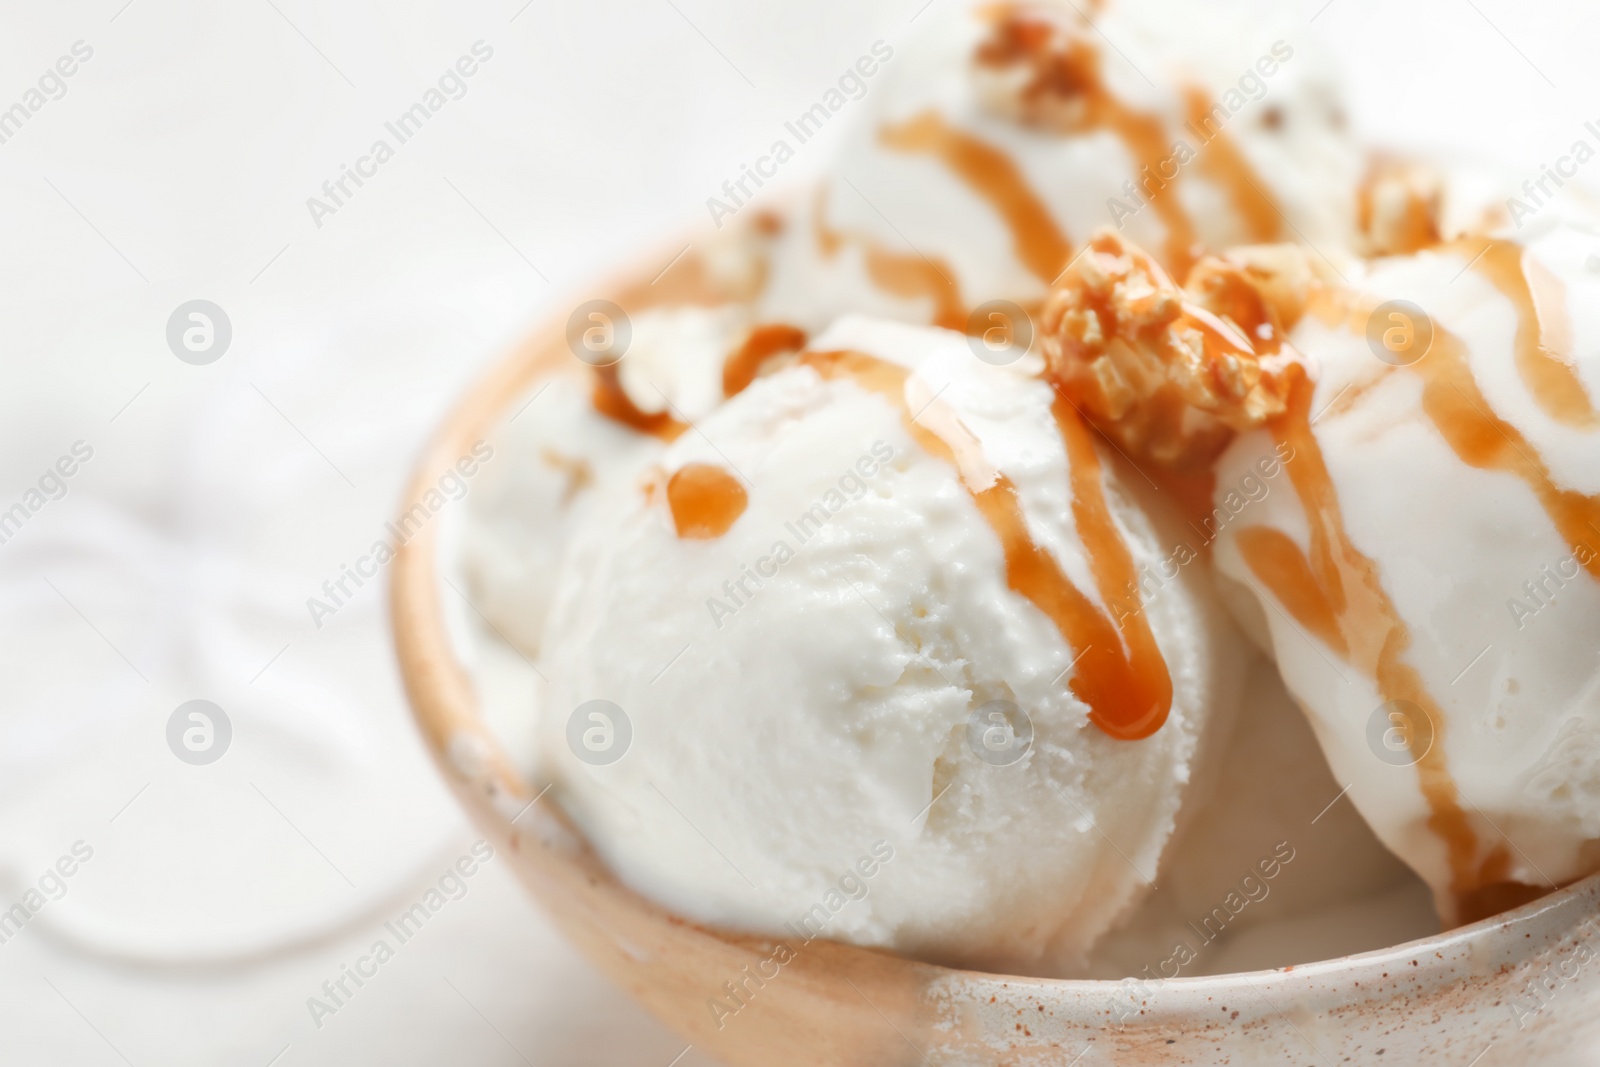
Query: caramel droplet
{"type": "Point", "coordinates": [706, 501]}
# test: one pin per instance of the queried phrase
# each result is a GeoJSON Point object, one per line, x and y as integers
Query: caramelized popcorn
{"type": "Point", "coordinates": [1173, 374]}
{"type": "Point", "coordinates": [1040, 67]}
{"type": "Point", "coordinates": [1262, 289]}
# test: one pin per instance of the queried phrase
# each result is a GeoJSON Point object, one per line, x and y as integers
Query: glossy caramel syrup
{"type": "Point", "coordinates": [1128, 689]}
{"type": "Point", "coordinates": [1068, 93]}
{"type": "Point", "coordinates": [1337, 593]}
{"type": "Point", "coordinates": [1456, 405]}
{"type": "Point", "coordinates": [763, 343]}
{"type": "Point", "coordinates": [706, 500]}
{"type": "Point", "coordinates": [909, 276]}
{"type": "Point", "coordinates": [994, 176]}
{"type": "Point", "coordinates": [1544, 332]}
{"type": "Point", "coordinates": [612, 401]}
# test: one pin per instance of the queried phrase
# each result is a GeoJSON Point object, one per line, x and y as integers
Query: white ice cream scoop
{"type": "Point", "coordinates": [1430, 571]}
{"type": "Point", "coordinates": [1412, 498]}
{"type": "Point", "coordinates": [865, 658]}
{"type": "Point", "coordinates": [566, 443]}
{"type": "Point", "coordinates": [1503, 983]}
{"type": "Point", "coordinates": [987, 148]}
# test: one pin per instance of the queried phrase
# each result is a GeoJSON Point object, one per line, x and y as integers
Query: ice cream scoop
{"type": "Point", "coordinates": [837, 1003]}
{"type": "Point", "coordinates": [1426, 569]}
{"type": "Point", "coordinates": [985, 151]}
{"type": "Point", "coordinates": [864, 657]}
{"type": "Point", "coordinates": [581, 430]}
{"type": "Point", "coordinates": [993, 143]}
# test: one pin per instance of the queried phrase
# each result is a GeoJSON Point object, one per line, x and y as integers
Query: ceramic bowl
{"type": "Point", "coordinates": [1521, 988]}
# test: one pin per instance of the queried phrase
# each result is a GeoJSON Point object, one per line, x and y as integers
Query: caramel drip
{"type": "Point", "coordinates": [1129, 693]}
{"type": "Point", "coordinates": [1456, 405]}
{"type": "Point", "coordinates": [994, 176]}
{"type": "Point", "coordinates": [763, 343]}
{"type": "Point", "coordinates": [913, 276]}
{"type": "Point", "coordinates": [689, 281]}
{"type": "Point", "coordinates": [705, 500]}
{"type": "Point", "coordinates": [1227, 165]}
{"type": "Point", "coordinates": [1143, 695]}
{"type": "Point", "coordinates": [908, 276]}
{"type": "Point", "coordinates": [1145, 137]}
{"type": "Point", "coordinates": [1458, 409]}
{"type": "Point", "coordinates": [612, 401]}
{"type": "Point", "coordinates": [1338, 581]}
{"type": "Point", "coordinates": [1068, 92]}
{"type": "Point", "coordinates": [1544, 332]}
{"type": "Point", "coordinates": [1280, 565]}
{"type": "Point", "coordinates": [1194, 492]}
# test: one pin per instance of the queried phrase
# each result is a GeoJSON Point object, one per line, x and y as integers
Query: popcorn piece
{"type": "Point", "coordinates": [1173, 374]}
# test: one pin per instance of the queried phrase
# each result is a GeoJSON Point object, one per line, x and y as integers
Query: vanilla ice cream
{"type": "Point", "coordinates": [578, 430]}
{"type": "Point", "coordinates": [1432, 582]}
{"type": "Point", "coordinates": [988, 147]}
{"type": "Point", "coordinates": [882, 606]}
{"type": "Point", "coordinates": [992, 143]}
{"type": "Point", "coordinates": [1425, 548]}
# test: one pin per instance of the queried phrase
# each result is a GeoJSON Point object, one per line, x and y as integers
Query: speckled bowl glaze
{"type": "Point", "coordinates": [1522, 988]}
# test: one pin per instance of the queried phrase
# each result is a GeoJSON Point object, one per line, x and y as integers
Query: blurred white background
{"type": "Point", "coordinates": [177, 166]}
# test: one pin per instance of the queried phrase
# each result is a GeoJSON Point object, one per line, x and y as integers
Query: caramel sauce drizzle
{"type": "Point", "coordinates": [705, 501]}
{"type": "Point", "coordinates": [612, 401]}
{"type": "Point", "coordinates": [995, 176]}
{"type": "Point", "coordinates": [1128, 691]}
{"type": "Point", "coordinates": [910, 276]}
{"type": "Point", "coordinates": [1337, 593]}
{"type": "Point", "coordinates": [1068, 92]}
{"type": "Point", "coordinates": [1193, 492]}
{"type": "Point", "coordinates": [1226, 164]}
{"type": "Point", "coordinates": [1544, 332]}
{"type": "Point", "coordinates": [1136, 686]}
{"type": "Point", "coordinates": [1481, 439]}
{"type": "Point", "coordinates": [1277, 561]}
{"type": "Point", "coordinates": [687, 282]}
{"type": "Point", "coordinates": [763, 343]}
{"type": "Point", "coordinates": [1458, 409]}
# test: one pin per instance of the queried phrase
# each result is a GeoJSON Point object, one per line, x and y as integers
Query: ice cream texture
{"type": "Point", "coordinates": [832, 571]}
{"type": "Point", "coordinates": [881, 547]}
{"type": "Point", "coordinates": [1427, 576]}
{"type": "Point", "coordinates": [991, 144]}
{"type": "Point", "coordinates": [996, 141]}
